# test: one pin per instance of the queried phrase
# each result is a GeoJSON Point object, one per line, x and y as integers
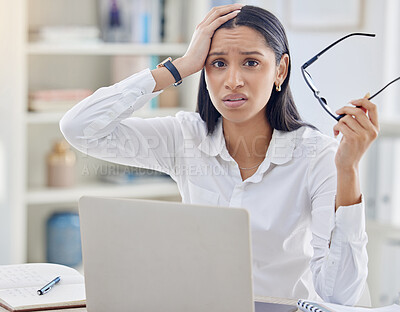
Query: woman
{"type": "Point", "coordinates": [300, 187]}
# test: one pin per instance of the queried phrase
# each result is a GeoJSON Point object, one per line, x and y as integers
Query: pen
{"type": "Point", "coordinates": [48, 286]}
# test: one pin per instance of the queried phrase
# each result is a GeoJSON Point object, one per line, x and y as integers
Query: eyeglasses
{"type": "Point", "coordinates": [314, 89]}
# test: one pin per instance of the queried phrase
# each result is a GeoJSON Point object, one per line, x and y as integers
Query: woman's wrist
{"type": "Point", "coordinates": [164, 78]}
{"type": "Point", "coordinates": [184, 66]}
{"type": "Point", "coordinates": [347, 170]}
{"type": "Point", "coordinates": [348, 187]}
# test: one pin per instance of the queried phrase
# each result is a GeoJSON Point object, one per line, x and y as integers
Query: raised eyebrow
{"type": "Point", "coordinates": [251, 53]}
{"type": "Point", "coordinates": [217, 53]}
{"type": "Point", "coordinates": [243, 53]}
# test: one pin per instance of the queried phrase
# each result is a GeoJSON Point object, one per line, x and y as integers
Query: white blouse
{"type": "Point", "coordinates": [301, 247]}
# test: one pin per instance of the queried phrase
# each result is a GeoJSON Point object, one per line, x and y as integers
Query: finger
{"type": "Point", "coordinates": [370, 107]}
{"type": "Point", "coordinates": [352, 124]}
{"type": "Point", "coordinates": [217, 14]}
{"type": "Point", "coordinates": [219, 21]}
{"type": "Point", "coordinates": [358, 113]}
{"type": "Point", "coordinates": [335, 132]}
{"type": "Point", "coordinates": [365, 97]}
{"type": "Point", "coordinates": [219, 11]}
{"type": "Point", "coordinates": [368, 130]}
{"type": "Point", "coordinates": [343, 128]}
{"type": "Point", "coordinates": [224, 9]}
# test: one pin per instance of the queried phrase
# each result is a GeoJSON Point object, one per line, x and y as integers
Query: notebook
{"type": "Point", "coordinates": [19, 284]}
{"type": "Point", "coordinates": [309, 306]}
{"type": "Point", "coordinates": [162, 256]}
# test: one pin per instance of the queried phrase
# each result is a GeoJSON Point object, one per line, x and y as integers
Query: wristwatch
{"type": "Point", "coordinates": [168, 65]}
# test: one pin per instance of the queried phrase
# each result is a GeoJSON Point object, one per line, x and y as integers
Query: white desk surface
{"type": "Point", "coordinates": [62, 310]}
{"type": "Point", "coordinates": [262, 299]}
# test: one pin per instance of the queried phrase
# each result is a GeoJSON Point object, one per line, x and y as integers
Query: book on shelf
{"type": "Point", "coordinates": [146, 18]}
{"type": "Point", "coordinates": [309, 306]}
{"type": "Point", "coordinates": [19, 285]}
{"type": "Point", "coordinates": [143, 21]}
{"type": "Point", "coordinates": [56, 100]}
{"type": "Point", "coordinates": [174, 18]}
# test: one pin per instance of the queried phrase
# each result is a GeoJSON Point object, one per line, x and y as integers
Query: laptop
{"type": "Point", "coordinates": [142, 255]}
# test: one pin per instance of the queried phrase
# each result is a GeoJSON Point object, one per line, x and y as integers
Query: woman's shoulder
{"type": "Point", "coordinates": [191, 124]}
{"type": "Point", "coordinates": [307, 136]}
{"type": "Point", "coordinates": [185, 116]}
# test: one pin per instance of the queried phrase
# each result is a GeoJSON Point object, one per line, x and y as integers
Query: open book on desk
{"type": "Point", "coordinates": [305, 305]}
{"type": "Point", "coordinates": [19, 284]}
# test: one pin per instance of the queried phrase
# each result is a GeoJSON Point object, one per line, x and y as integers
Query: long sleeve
{"type": "Point", "coordinates": [339, 263]}
{"type": "Point", "coordinates": [101, 126]}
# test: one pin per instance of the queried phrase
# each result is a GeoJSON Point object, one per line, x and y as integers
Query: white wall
{"type": "Point", "coordinates": [12, 232]}
{"type": "Point", "coordinates": [391, 54]}
{"type": "Point", "coordinates": [347, 71]}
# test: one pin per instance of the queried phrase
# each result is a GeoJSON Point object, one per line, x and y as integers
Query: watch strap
{"type": "Point", "coordinates": [173, 70]}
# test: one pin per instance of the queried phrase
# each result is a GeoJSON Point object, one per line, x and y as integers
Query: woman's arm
{"type": "Point", "coordinates": [339, 262]}
{"type": "Point", "coordinates": [101, 125]}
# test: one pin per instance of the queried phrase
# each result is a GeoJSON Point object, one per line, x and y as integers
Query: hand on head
{"type": "Point", "coordinates": [199, 46]}
{"type": "Point", "coordinates": [198, 49]}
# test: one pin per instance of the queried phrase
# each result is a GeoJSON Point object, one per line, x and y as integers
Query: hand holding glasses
{"type": "Point", "coordinates": [314, 89]}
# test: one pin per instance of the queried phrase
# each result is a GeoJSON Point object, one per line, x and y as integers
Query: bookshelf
{"type": "Point", "coordinates": [139, 189]}
{"type": "Point", "coordinates": [36, 118]}
{"type": "Point", "coordinates": [33, 65]}
{"type": "Point", "coordinates": [106, 49]}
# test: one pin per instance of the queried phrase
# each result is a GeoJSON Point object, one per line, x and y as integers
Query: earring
{"type": "Point", "coordinates": [278, 87]}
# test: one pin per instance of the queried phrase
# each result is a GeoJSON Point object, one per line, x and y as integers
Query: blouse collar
{"type": "Point", "coordinates": [279, 152]}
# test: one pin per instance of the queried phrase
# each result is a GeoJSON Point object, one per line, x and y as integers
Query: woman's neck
{"type": "Point", "coordinates": [248, 142]}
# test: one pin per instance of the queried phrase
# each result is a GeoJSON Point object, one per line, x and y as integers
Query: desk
{"type": "Point", "coordinates": [262, 299]}
{"type": "Point", "coordinates": [292, 302]}
{"type": "Point", "coordinates": [62, 310]}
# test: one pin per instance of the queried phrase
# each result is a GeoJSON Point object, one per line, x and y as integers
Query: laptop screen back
{"type": "Point", "coordinates": [161, 256]}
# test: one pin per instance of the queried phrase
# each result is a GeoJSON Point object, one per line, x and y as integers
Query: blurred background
{"type": "Point", "coordinates": [53, 53]}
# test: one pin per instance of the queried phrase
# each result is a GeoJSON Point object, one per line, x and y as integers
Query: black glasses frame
{"type": "Point", "coordinates": [307, 77]}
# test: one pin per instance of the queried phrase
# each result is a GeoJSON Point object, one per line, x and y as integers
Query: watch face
{"type": "Point", "coordinates": [163, 62]}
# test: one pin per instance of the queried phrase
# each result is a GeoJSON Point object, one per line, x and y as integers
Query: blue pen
{"type": "Point", "coordinates": [48, 286]}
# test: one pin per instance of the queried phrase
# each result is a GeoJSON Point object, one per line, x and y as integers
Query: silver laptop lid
{"type": "Point", "coordinates": [161, 256]}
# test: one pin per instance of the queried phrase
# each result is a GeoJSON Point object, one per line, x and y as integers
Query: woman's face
{"type": "Point", "coordinates": [240, 73]}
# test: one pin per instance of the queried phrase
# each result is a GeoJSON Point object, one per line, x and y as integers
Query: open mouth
{"type": "Point", "coordinates": [234, 100]}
